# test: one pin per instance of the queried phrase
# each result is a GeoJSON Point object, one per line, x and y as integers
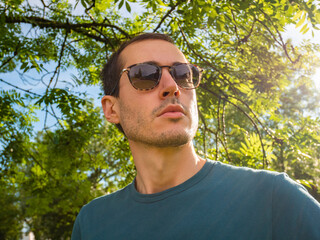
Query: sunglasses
{"type": "Point", "coordinates": [146, 76]}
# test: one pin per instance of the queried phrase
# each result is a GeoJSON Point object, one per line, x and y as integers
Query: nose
{"type": "Point", "coordinates": [168, 86]}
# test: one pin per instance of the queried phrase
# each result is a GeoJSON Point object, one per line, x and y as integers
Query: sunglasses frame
{"type": "Point", "coordinates": [127, 70]}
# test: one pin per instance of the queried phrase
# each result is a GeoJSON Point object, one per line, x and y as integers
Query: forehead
{"type": "Point", "coordinates": [159, 51]}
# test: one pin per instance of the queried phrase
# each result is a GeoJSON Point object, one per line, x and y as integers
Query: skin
{"type": "Point", "coordinates": [160, 140]}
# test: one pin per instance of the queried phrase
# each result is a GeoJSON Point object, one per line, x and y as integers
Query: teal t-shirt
{"type": "Point", "coordinates": [219, 202]}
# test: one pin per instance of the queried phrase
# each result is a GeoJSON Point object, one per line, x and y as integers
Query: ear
{"type": "Point", "coordinates": [110, 109]}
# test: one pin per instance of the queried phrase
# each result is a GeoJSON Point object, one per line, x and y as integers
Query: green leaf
{"type": "Point", "coordinates": [304, 28]}
{"type": "Point", "coordinates": [301, 21]}
{"type": "Point", "coordinates": [128, 7]}
{"type": "Point", "coordinates": [305, 31]}
{"type": "Point", "coordinates": [84, 3]}
{"type": "Point", "coordinates": [305, 183]}
{"type": "Point", "coordinates": [213, 13]}
{"type": "Point", "coordinates": [23, 65]}
{"type": "Point", "coordinates": [121, 4]}
{"type": "Point", "coordinates": [317, 16]}
{"type": "Point", "coordinates": [297, 16]}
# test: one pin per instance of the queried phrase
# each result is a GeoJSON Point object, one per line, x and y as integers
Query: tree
{"type": "Point", "coordinates": [257, 104]}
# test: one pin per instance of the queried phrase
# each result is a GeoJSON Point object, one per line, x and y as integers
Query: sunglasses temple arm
{"type": "Point", "coordinates": [117, 84]}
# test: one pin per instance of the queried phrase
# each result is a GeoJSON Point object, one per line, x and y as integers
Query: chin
{"type": "Point", "coordinates": [173, 138]}
{"type": "Point", "coordinates": [165, 136]}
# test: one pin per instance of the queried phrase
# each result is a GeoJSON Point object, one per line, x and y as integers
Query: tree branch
{"type": "Point", "coordinates": [225, 98]}
{"type": "Point", "coordinates": [55, 116]}
{"type": "Point", "coordinates": [203, 59]}
{"type": "Point", "coordinates": [165, 16]}
{"type": "Point", "coordinates": [40, 165]}
{"type": "Point", "coordinates": [14, 55]}
{"type": "Point", "coordinates": [218, 129]}
{"type": "Point", "coordinates": [21, 89]}
{"type": "Point", "coordinates": [46, 23]}
{"type": "Point", "coordinates": [224, 126]}
{"type": "Point", "coordinates": [59, 62]}
{"type": "Point", "coordinates": [225, 148]}
{"type": "Point", "coordinates": [281, 43]}
{"type": "Point", "coordinates": [205, 128]}
{"type": "Point", "coordinates": [245, 38]}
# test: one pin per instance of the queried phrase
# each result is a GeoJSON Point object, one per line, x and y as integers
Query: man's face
{"type": "Point", "coordinates": [165, 116]}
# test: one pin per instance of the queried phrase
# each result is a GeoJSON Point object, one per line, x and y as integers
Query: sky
{"type": "Point", "coordinates": [291, 32]}
{"type": "Point", "coordinates": [297, 38]}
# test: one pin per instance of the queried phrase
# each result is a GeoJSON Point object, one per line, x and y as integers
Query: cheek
{"type": "Point", "coordinates": [131, 110]}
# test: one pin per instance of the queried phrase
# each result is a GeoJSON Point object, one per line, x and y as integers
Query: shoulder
{"type": "Point", "coordinates": [241, 170]}
{"type": "Point", "coordinates": [98, 213]}
{"type": "Point", "coordinates": [226, 172]}
{"type": "Point", "coordinates": [281, 186]}
{"type": "Point", "coordinates": [278, 185]}
{"type": "Point", "coordinates": [104, 204]}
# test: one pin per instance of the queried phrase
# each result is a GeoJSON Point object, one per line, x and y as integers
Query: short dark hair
{"type": "Point", "coordinates": [110, 74]}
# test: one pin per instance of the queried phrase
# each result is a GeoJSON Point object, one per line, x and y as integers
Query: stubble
{"type": "Point", "coordinates": [138, 128]}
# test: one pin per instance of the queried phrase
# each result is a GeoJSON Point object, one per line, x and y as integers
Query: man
{"type": "Point", "coordinates": [150, 94]}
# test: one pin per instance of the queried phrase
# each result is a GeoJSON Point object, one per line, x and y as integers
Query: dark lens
{"type": "Point", "coordinates": [186, 75]}
{"type": "Point", "coordinates": [144, 76]}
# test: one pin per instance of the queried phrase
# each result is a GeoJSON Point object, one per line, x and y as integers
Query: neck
{"type": "Point", "coordinates": [159, 169]}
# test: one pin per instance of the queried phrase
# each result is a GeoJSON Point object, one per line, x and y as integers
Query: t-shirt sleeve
{"type": "Point", "coordinates": [295, 213]}
{"type": "Point", "coordinates": [76, 234]}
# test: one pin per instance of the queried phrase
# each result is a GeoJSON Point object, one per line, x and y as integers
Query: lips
{"type": "Point", "coordinates": [172, 111]}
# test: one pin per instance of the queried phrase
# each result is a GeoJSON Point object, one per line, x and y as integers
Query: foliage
{"type": "Point", "coordinates": [257, 104]}
{"type": "Point", "coordinates": [10, 218]}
